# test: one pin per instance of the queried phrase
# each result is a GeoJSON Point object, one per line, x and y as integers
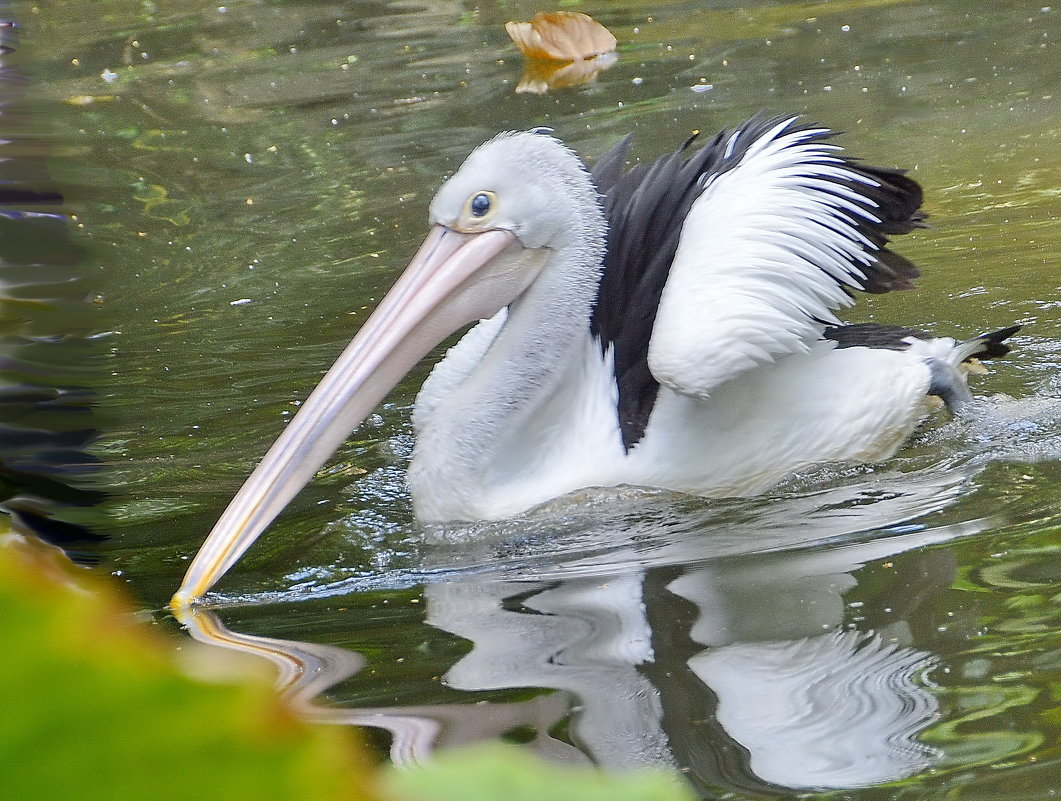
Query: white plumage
{"type": "Point", "coordinates": [747, 436]}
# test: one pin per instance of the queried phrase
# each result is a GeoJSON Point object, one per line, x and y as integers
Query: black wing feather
{"type": "Point", "coordinates": [894, 337]}
{"type": "Point", "coordinates": [873, 335]}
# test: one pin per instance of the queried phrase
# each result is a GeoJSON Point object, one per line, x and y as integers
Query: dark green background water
{"type": "Point", "coordinates": [250, 178]}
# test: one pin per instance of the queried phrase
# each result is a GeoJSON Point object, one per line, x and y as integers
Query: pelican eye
{"type": "Point", "coordinates": [480, 205]}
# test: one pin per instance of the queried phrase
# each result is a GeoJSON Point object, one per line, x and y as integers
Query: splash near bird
{"type": "Point", "coordinates": [672, 325]}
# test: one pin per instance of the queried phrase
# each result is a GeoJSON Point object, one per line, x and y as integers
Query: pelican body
{"type": "Point", "coordinates": [673, 325]}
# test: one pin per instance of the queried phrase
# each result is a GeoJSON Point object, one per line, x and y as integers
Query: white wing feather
{"type": "Point", "coordinates": [762, 262]}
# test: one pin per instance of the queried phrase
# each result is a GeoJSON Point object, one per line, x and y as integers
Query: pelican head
{"type": "Point", "coordinates": [529, 184]}
{"type": "Point", "coordinates": [516, 200]}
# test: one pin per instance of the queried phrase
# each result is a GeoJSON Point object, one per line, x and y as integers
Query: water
{"type": "Point", "coordinates": [250, 177]}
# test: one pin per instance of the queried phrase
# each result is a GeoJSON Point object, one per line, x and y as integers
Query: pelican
{"type": "Point", "coordinates": [672, 326]}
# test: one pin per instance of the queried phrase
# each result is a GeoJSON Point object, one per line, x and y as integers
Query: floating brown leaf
{"type": "Point", "coordinates": [561, 36]}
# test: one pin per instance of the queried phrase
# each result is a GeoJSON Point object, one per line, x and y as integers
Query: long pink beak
{"type": "Point", "coordinates": [440, 291]}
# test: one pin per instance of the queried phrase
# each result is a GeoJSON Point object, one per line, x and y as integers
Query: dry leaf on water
{"type": "Point", "coordinates": [561, 36]}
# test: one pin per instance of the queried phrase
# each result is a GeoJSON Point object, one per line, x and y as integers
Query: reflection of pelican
{"type": "Point", "coordinates": [814, 710]}
{"type": "Point", "coordinates": [772, 625]}
{"type": "Point", "coordinates": [678, 334]}
{"type": "Point", "coordinates": [584, 637]}
{"type": "Point", "coordinates": [835, 711]}
{"type": "Point", "coordinates": [740, 670]}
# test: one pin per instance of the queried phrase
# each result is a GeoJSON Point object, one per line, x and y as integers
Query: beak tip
{"type": "Point", "coordinates": [181, 602]}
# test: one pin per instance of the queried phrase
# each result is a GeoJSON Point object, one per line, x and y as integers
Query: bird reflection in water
{"type": "Point", "coordinates": [746, 671]}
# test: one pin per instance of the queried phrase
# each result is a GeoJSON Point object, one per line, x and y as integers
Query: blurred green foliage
{"type": "Point", "coordinates": [97, 707]}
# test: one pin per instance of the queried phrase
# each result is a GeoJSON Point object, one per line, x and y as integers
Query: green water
{"type": "Point", "coordinates": [250, 178]}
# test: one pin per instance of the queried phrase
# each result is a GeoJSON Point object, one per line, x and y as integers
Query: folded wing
{"type": "Point", "coordinates": [739, 254]}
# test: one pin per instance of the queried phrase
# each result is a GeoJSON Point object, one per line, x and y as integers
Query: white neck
{"type": "Point", "coordinates": [464, 437]}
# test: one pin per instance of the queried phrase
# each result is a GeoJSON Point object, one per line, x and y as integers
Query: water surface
{"type": "Point", "coordinates": [250, 178]}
